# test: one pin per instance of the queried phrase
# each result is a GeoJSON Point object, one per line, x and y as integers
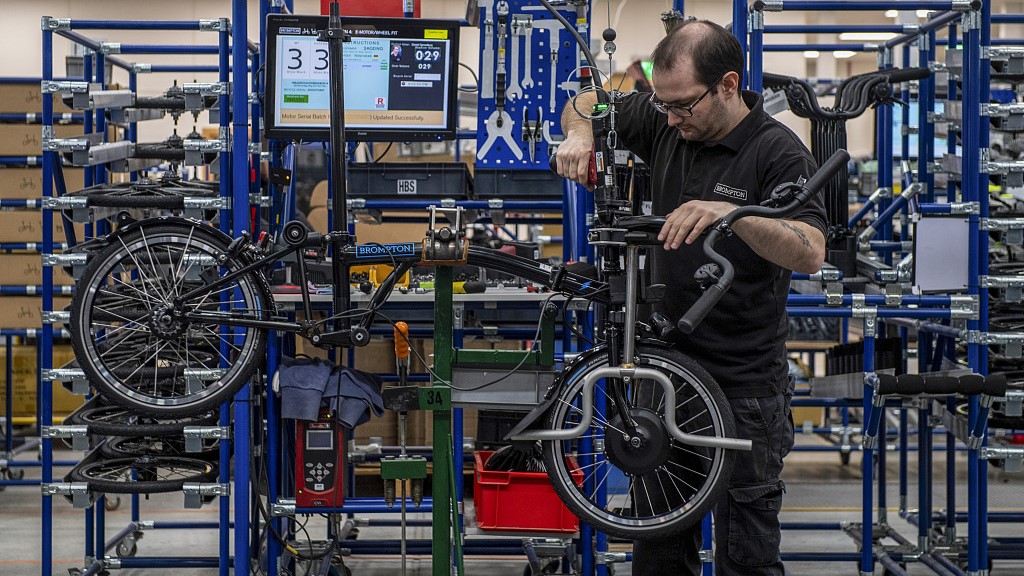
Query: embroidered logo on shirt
{"type": "Point", "coordinates": [730, 191]}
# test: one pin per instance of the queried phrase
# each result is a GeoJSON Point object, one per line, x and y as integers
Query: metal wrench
{"type": "Point", "coordinates": [499, 125]}
{"type": "Point", "coordinates": [553, 28]}
{"type": "Point", "coordinates": [487, 57]}
{"type": "Point", "coordinates": [514, 90]}
{"type": "Point", "coordinates": [528, 61]}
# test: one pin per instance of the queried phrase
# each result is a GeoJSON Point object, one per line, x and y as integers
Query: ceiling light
{"type": "Point", "coordinates": [811, 53]}
{"type": "Point", "coordinates": [923, 13]}
{"type": "Point", "coordinates": [843, 54]}
{"type": "Point", "coordinates": [867, 36]}
{"type": "Point", "coordinates": [892, 13]}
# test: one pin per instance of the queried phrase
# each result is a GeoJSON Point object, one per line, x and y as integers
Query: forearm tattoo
{"type": "Point", "coordinates": [800, 233]}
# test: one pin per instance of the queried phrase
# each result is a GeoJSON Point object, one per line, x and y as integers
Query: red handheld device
{"type": "Point", "coordinates": [319, 462]}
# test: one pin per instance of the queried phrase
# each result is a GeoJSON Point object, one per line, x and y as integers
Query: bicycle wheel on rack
{"type": "Point", "coordinates": [133, 447]}
{"type": "Point", "coordinates": [118, 421]}
{"type": "Point", "coordinates": [188, 355]}
{"type": "Point", "coordinates": [660, 486]}
{"type": "Point", "coordinates": [143, 475]}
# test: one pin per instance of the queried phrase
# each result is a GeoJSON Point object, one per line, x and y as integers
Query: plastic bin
{"type": "Point", "coordinates": [519, 501]}
{"type": "Point", "coordinates": [410, 180]}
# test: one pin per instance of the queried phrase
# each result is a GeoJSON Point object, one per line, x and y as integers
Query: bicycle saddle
{"type": "Point", "coordinates": [648, 223]}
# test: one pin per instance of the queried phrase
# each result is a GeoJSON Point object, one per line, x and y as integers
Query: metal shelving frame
{"type": "Point", "coordinates": [975, 20]}
{"type": "Point", "coordinates": [233, 68]}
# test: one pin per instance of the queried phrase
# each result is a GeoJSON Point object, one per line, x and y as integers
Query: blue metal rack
{"type": "Point", "coordinates": [234, 183]}
{"type": "Point", "coordinates": [975, 21]}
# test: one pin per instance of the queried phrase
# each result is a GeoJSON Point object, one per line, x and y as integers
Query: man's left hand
{"type": "Point", "coordinates": [687, 222]}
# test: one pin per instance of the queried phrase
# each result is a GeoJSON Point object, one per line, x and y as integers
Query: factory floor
{"type": "Point", "coordinates": [819, 489]}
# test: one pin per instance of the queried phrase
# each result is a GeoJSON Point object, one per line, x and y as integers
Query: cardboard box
{"type": "Point", "coordinates": [17, 183]}
{"type": "Point", "coordinates": [27, 97]}
{"type": "Point", "coordinates": [26, 139]}
{"type": "Point", "coordinates": [27, 270]}
{"type": "Point", "coordinates": [27, 226]}
{"type": "Point", "coordinates": [23, 312]}
{"type": "Point", "coordinates": [23, 385]}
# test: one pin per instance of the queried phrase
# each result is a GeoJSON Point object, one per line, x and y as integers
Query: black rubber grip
{"type": "Point", "coordinates": [159, 152]}
{"type": "Point", "coordinates": [909, 384]}
{"type": "Point", "coordinates": [905, 74]}
{"type": "Point", "coordinates": [941, 385]}
{"type": "Point", "coordinates": [695, 315]}
{"type": "Point", "coordinates": [552, 164]}
{"type": "Point", "coordinates": [971, 384]}
{"type": "Point", "coordinates": [499, 94]}
{"type": "Point", "coordinates": [995, 385]}
{"type": "Point", "coordinates": [775, 80]}
{"type": "Point", "coordinates": [827, 170]}
{"type": "Point", "coordinates": [158, 102]}
{"type": "Point", "coordinates": [887, 384]}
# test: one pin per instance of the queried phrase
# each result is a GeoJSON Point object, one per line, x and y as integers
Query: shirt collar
{"type": "Point", "coordinates": [745, 129]}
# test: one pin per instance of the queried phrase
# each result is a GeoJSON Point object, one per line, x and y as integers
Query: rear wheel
{"type": "Point", "coordinates": [650, 484]}
{"type": "Point", "coordinates": [187, 355]}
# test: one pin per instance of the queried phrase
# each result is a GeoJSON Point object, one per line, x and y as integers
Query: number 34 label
{"type": "Point", "coordinates": [437, 398]}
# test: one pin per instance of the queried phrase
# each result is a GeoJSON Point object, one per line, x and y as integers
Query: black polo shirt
{"type": "Point", "coordinates": [742, 342]}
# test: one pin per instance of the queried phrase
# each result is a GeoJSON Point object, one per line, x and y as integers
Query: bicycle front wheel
{"type": "Point", "coordinates": [145, 347]}
{"type": "Point", "coordinates": [649, 484]}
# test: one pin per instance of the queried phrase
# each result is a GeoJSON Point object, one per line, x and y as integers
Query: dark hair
{"type": "Point", "coordinates": [713, 50]}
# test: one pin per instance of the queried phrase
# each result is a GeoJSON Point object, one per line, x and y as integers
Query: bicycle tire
{"type": "Point", "coordinates": [143, 475]}
{"type": "Point", "coordinates": [697, 487]}
{"type": "Point", "coordinates": [150, 266]}
{"type": "Point", "coordinates": [133, 447]}
{"type": "Point", "coordinates": [119, 421]}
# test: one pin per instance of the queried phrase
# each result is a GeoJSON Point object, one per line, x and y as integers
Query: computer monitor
{"type": "Point", "coordinates": [400, 79]}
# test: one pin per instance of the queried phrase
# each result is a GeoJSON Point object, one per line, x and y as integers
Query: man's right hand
{"type": "Point", "coordinates": [574, 156]}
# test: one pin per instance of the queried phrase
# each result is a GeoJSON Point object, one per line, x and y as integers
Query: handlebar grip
{"type": "Point", "coordinates": [827, 170]}
{"type": "Point", "coordinates": [696, 314]}
{"type": "Point", "coordinates": [906, 74]}
{"type": "Point", "coordinates": [769, 79]}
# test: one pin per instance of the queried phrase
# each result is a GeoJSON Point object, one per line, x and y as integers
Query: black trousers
{"type": "Point", "coordinates": [746, 519]}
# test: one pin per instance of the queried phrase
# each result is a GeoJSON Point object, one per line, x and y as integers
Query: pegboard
{"type": "Point", "coordinates": [539, 59]}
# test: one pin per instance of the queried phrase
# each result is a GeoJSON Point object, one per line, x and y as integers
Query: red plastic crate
{"type": "Point", "coordinates": [390, 8]}
{"type": "Point", "coordinates": [519, 501]}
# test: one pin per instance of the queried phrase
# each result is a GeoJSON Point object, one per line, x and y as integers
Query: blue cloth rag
{"type": "Point", "coordinates": [302, 382]}
{"type": "Point", "coordinates": [353, 395]}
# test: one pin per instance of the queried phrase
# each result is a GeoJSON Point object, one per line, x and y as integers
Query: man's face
{"type": "Point", "coordinates": [679, 88]}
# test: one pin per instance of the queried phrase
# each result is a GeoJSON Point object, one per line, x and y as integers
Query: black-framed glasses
{"type": "Point", "coordinates": [681, 111]}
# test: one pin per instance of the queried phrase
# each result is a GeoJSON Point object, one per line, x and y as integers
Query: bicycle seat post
{"type": "Point", "coordinates": [632, 300]}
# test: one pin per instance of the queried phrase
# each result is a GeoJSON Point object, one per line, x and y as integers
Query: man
{"type": "Point", "coordinates": [711, 147]}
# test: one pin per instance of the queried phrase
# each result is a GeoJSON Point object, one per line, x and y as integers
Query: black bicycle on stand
{"type": "Point", "coordinates": [171, 319]}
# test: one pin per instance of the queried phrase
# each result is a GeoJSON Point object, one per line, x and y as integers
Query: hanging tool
{"type": "Point", "coordinates": [487, 57]}
{"type": "Point", "coordinates": [527, 25]}
{"type": "Point", "coordinates": [404, 468]}
{"type": "Point", "coordinates": [499, 96]}
{"type": "Point", "coordinates": [515, 91]}
{"type": "Point", "coordinates": [499, 125]}
{"type": "Point", "coordinates": [554, 29]}
{"type": "Point", "coordinates": [532, 131]}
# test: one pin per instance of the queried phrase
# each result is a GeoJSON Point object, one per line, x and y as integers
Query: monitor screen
{"type": "Point", "coordinates": [319, 440]}
{"type": "Point", "coordinates": [399, 76]}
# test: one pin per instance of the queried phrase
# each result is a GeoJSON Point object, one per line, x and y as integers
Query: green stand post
{"type": "Point", "coordinates": [445, 533]}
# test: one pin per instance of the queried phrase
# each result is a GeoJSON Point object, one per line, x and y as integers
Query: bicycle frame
{"type": "Point", "coordinates": [402, 257]}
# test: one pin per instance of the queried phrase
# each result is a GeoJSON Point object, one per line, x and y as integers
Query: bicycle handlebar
{"type": "Point", "coordinates": [906, 74]}
{"type": "Point", "coordinates": [700, 309]}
